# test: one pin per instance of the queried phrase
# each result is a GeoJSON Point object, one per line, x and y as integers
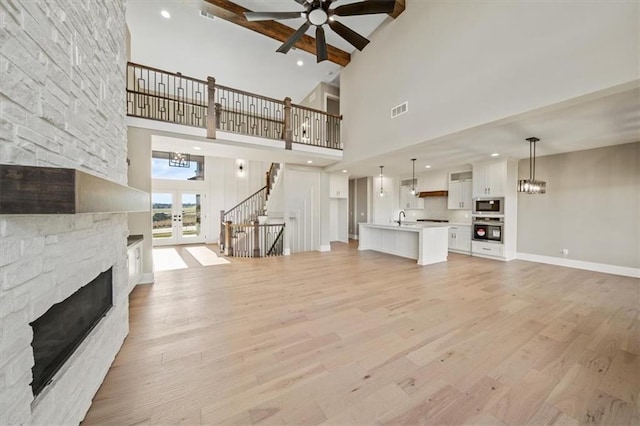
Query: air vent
{"type": "Point", "coordinates": [400, 109]}
{"type": "Point", "coordinates": [206, 15]}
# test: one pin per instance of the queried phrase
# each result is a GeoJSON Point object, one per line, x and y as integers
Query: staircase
{"type": "Point", "coordinates": [243, 231]}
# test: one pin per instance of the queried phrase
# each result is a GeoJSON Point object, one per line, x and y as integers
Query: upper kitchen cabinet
{"type": "Point", "coordinates": [338, 185]}
{"type": "Point", "coordinates": [490, 179]}
{"type": "Point", "coordinates": [435, 180]}
{"type": "Point", "coordinates": [460, 190]}
{"type": "Point", "coordinates": [409, 200]}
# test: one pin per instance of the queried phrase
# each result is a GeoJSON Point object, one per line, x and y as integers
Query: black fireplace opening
{"type": "Point", "coordinates": [60, 330]}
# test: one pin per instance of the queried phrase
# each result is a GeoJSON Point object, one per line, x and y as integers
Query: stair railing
{"type": "Point", "coordinates": [255, 240]}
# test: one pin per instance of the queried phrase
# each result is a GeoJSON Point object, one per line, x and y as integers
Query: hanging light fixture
{"type": "Point", "coordinates": [381, 191]}
{"type": "Point", "coordinates": [531, 185]}
{"type": "Point", "coordinates": [413, 177]}
{"type": "Point", "coordinates": [180, 159]}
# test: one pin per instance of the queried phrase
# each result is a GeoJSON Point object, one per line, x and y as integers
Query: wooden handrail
{"type": "Point", "coordinates": [167, 72]}
{"type": "Point", "coordinates": [339, 117]}
{"type": "Point", "coordinates": [254, 95]}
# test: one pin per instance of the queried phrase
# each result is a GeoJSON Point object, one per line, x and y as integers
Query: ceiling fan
{"type": "Point", "coordinates": [318, 13]}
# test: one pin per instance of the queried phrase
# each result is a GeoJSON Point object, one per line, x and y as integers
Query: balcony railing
{"type": "Point", "coordinates": [171, 97]}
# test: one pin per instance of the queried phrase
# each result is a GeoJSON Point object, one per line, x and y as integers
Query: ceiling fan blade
{"type": "Point", "coordinates": [348, 34]}
{"type": "Point", "coordinates": [321, 45]}
{"type": "Point", "coordinates": [368, 7]}
{"type": "Point", "coordinates": [302, 2]}
{"type": "Point", "coordinates": [287, 45]}
{"type": "Point", "coordinates": [270, 16]}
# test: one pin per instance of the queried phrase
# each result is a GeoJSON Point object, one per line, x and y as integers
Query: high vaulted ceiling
{"type": "Point", "coordinates": [237, 57]}
{"type": "Point", "coordinates": [199, 47]}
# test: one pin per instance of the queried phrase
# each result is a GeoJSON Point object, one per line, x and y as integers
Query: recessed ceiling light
{"type": "Point", "coordinates": [427, 167]}
{"type": "Point", "coordinates": [344, 171]}
{"type": "Point", "coordinates": [197, 148]}
{"type": "Point", "coordinates": [165, 14]}
{"type": "Point", "coordinates": [309, 161]}
{"type": "Point", "coordinates": [495, 154]}
{"type": "Point", "coordinates": [299, 63]}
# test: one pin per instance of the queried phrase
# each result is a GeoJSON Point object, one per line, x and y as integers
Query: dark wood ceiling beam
{"type": "Point", "coordinates": [400, 5]}
{"type": "Point", "coordinates": [235, 13]}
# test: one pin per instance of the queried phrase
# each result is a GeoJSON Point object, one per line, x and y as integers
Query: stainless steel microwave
{"type": "Point", "coordinates": [488, 206]}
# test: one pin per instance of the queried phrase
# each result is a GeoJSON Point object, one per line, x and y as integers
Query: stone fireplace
{"type": "Point", "coordinates": [61, 105]}
{"type": "Point", "coordinates": [61, 330]}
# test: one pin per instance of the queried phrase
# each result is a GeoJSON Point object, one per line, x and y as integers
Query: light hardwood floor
{"type": "Point", "coordinates": [348, 338]}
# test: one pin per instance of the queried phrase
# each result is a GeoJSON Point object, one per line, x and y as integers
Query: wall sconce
{"type": "Point", "coordinates": [240, 168]}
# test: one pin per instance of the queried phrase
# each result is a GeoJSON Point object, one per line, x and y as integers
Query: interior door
{"type": "Point", "coordinates": [177, 218]}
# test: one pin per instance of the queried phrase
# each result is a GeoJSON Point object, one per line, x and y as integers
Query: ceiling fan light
{"type": "Point", "coordinates": [317, 17]}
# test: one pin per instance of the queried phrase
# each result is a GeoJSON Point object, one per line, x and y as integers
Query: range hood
{"type": "Point", "coordinates": [54, 190]}
{"type": "Point", "coordinates": [425, 194]}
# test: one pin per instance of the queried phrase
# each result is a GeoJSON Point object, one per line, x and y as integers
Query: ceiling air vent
{"type": "Point", "coordinates": [400, 109]}
{"type": "Point", "coordinates": [206, 14]}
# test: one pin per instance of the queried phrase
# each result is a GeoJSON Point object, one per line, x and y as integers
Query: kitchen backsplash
{"type": "Point", "coordinates": [436, 208]}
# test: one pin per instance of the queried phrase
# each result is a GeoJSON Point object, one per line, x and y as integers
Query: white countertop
{"type": "Point", "coordinates": [410, 227]}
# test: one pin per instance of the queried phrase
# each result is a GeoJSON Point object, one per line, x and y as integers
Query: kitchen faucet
{"type": "Point", "coordinates": [400, 215]}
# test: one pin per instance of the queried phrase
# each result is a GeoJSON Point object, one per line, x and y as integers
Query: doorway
{"type": "Point", "coordinates": [177, 218]}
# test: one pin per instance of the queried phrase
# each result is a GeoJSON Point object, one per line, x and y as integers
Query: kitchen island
{"type": "Point", "coordinates": [426, 243]}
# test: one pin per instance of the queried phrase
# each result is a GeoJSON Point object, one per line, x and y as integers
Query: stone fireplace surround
{"type": "Point", "coordinates": [62, 104]}
{"type": "Point", "coordinates": [59, 254]}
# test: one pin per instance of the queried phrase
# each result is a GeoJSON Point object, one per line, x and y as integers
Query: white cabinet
{"type": "Point", "coordinates": [487, 249]}
{"type": "Point", "coordinates": [460, 238]}
{"type": "Point", "coordinates": [489, 179]}
{"type": "Point", "coordinates": [338, 186]}
{"type": "Point", "coordinates": [435, 180]}
{"type": "Point", "coordinates": [460, 188]}
{"type": "Point", "coordinates": [408, 200]}
{"type": "Point", "coordinates": [134, 261]}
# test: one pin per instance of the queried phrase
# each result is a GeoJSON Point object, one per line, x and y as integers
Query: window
{"type": "Point", "coordinates": [160, 168]}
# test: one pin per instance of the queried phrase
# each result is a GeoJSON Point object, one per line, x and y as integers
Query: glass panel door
{"type": "Point", "coordinates": [163, 218]}
{"type": "Point", "coordinates": [191, 219]}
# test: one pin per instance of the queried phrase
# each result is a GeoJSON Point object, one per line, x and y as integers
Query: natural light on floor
{"type": "Point", "coordinates": [206, 256]}
{"type": "Point", "coordinates": [167, 259]}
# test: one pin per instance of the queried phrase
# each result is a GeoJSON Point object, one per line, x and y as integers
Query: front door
{"type": "Point", "coordinates": [177, 218]}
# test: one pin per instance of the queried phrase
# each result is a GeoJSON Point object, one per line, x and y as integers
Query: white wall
{"type": "Point", "coordinates": [462, 64]}
{"type": "Point", "coordinates": [62, 105]}
{"type": "Point", "coordinates": [301, 200]}
{"type": "Point", "coordinates": [139, 174]}
{"type": "Point", "coordinates": [384, 209]}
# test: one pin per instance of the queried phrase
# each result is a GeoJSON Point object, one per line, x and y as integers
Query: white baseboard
{"type": "Point", "coordinates": [286, 252]}
{"type": "Point", "coordinates": [147, 278]}
{"type": "Point", "coordinates": [325, 248]}
{"type": "Point", "coordinates": [580, 264]}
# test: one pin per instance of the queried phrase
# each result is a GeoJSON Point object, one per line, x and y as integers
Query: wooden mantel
{"type": "Point", "coordinates": [53, 190]}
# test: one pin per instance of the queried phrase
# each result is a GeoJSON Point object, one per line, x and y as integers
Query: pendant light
{"type": "Point", "coordinates": [531, 185]}
{"type": "Point", "coordinates": [381, 191]}
{"type": "Point", "coordinates": [413, 177]}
